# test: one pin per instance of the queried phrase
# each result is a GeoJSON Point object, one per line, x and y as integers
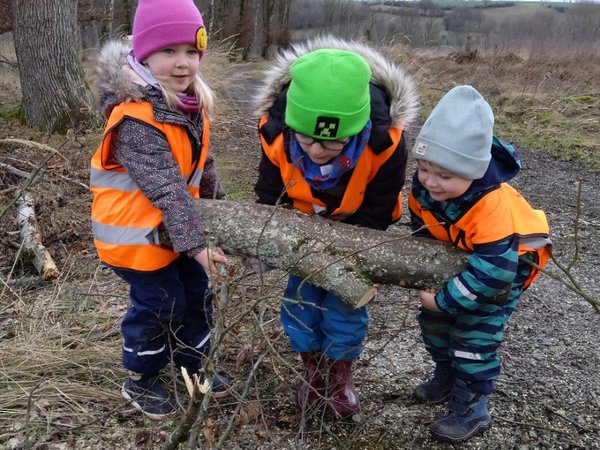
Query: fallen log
{"type": "Point", "coordinates": [348, 260]}
{"type": "Point", "coordinates": [33, 249]}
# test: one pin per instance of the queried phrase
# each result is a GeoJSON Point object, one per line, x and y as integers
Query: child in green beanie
{"type": "Point", "coordinates": [333, 115]}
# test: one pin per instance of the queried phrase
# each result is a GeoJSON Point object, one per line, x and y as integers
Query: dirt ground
{"type": "Point", "coordinates": [547, 398]}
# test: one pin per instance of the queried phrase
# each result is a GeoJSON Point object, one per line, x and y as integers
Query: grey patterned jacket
{"type": "Point", "coordinates": [144, 152]}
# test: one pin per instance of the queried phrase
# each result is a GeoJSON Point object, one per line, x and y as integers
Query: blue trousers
{"type": "Point", "coordinates": [319, 321]}
{"type": "Point", "coordinates": [170, 317]}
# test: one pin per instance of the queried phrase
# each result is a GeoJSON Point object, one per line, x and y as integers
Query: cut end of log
{"type": "Point", "coordinates": [366, 298]}
{"type": "Point", "coordinates": [50, 273]}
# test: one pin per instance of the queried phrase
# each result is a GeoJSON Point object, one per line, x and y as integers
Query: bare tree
{"type": "Point", "coordinates": [283, 28]}
{"type": "Point", "coordinates": [268, 6]}
{"type": "Point", "coordinates": [55, 95]}
{"type": "Point", "coordinates": [247, 25]}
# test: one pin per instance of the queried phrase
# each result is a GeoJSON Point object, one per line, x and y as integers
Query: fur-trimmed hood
{"type": "Point", "coordinates": [115, 84]}
{"type": "Point", "coordinates": [399, 86]}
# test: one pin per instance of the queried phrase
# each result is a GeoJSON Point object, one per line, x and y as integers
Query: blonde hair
{"type": "Point", "coordinates": [198, 88]}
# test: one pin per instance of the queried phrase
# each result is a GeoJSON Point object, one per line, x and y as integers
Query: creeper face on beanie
{"type": "Point", "coordinates": [458, 133]}
{"type": "Point", "coordinates": [158, 24]}
{"type": "Point", "coordinates": [328, 97]}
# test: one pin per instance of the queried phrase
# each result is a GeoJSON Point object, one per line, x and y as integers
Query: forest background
{"type": "Point", "coordinates": [536, 63]}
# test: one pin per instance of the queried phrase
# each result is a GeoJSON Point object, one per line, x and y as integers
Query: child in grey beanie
{"type": "Point", "coordinates": [459, 194]}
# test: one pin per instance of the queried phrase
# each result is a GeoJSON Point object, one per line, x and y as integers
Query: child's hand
{"type": "Point", "coordinates": [428, 300]}
{"type": "Point", "coordinates": [207, 259]}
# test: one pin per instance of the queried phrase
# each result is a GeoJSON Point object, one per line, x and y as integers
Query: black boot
{"type": "Point", "coordinates": [467, 415]}
{"type": "Point", "coordinates": [148, 395]}
{"type": "Point", "coordinates": [438, 389]}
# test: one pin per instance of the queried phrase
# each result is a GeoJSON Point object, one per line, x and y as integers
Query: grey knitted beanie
{"type": "Point", "coordinates": [457, 135]}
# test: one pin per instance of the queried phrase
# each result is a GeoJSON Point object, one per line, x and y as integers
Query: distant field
{"type": "Point", "coordinates": [520, 9]}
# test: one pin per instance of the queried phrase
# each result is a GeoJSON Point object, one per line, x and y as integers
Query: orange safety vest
{"type": "Point", "coordinates": [299, 191]}
{"type": "Point", "coordinates": [501, 213]}
{"type": "Point", "coordinates": [124, 222]}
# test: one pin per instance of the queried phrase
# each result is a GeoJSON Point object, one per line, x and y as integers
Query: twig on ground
{"type": "Point", "coordinates": [27, 444]}
{"type": "Point", "coordinates": [528, 424]}
{"type": "Point", "coordinates": [15, 171]}
{"type": "Point", "coordinates": [10, 273]}
{"type": "Point", "coordinates": [35, 173]}
{"type": "Point", "coordinates": [240, 401]}
{"type": "Point", "coordinates": [187, 421]}
{"type": "Point", "coordinates": [568, 419]}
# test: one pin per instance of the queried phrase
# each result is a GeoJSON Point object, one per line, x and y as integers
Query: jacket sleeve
{"type": "Point", "coordinates": [144, 152]}
{"type": "Point", "coordinates": [382, 192]}
{"type": "Point", "coordinates": [490, 271]}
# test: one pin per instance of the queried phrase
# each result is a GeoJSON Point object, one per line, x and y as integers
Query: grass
{"type": "Point", "coordinates": [13, 111]}
{"type": "Point", "coordinates": [566, 128]}
{"type": "Point", "coordinates": [548, 104]}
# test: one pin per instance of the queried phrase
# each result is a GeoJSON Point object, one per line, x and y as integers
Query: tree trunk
{"type": "Point", "coordinates": [47, 44]}
{"type": "Point", "coordinates": [347, 260]}
{"type": "Point", "coordinates": [267, 7]}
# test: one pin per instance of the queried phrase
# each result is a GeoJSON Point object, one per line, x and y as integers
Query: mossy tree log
{"type": "Point", "coordinates": [347, 260]}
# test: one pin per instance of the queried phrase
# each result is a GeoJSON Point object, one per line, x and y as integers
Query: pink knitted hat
{"type": "Point", "coordinates": [158, 24]}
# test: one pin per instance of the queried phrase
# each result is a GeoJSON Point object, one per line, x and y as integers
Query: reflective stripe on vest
{"type": "Point", "coordinates": [123, 182]}
{"type": "Point", "coordinates": [112, 179]}
{"type": "Point", "coordinates": [117, 235]}
{"type": "Point", "coordinates": [124, 222]}
{"type": "Point", "coordinates": [298, 189]}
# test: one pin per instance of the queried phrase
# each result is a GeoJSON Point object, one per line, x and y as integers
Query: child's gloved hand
{"type": "Point", "coordinates": [428, 300]}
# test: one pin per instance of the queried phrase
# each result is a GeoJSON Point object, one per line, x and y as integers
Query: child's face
{"type": "Point", "coordinates": [441, 184]}
{"type": "Point", "coordinates": [175, 66]}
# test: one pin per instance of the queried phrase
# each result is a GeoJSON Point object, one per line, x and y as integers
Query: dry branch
{"type": "Point", "coordinates": [15, 171]}
{"type": "Point", "coordinates": [33, 249]}
{"type": "Point", "coordinates": [347, 260]}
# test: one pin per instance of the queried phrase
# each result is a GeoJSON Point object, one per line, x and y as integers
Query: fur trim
{"type": "Point", "coordinates": [111, 76]}
{"type": "Point", "coordinates": [400, 86]}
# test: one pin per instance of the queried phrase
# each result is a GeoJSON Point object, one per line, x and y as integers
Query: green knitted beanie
{"type": "Point", "coordinates": [328, 97]}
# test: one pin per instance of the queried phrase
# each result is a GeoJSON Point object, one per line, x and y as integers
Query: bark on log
{"type": "Point", "coordinates": [33, 248]}
{"type": "Point", "coordinates": [347, 260]}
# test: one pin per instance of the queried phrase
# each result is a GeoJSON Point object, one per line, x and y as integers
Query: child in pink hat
{"type": "Point", "coordinates": [151, 165]}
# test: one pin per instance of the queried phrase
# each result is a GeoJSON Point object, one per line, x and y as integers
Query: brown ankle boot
{"type": "Point", "coordinates": [342, 394]}
{"type": "Point", "coordinates": [313, 387]}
